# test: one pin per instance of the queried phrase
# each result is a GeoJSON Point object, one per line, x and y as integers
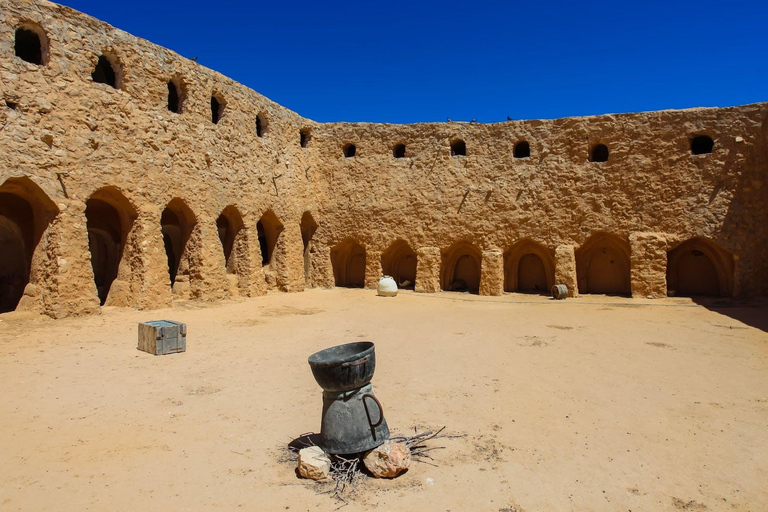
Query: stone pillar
{"type": "Point", "coordinates": [288, 260]}
{"type": "Point", "coordinates": [428, 260]}
{"type": "Point", "coordinates": [252, 269]}
{"type": "Point", "coordinates": [69, 289]}
{"type": "Point", "coordinates": [565, 268]}
{"type": "Point", "coordinates": [250, 278]}
{"type": "Point", "coordinates": [150, 282]}
{"type": "Point", "coordinates": [492, 273]}
{"type": "Point", "coordinates": [373, 270]}
{"type": "Point", "coordinates": [320, 266]}
{"type": "Point", "coordinates": [207, 268]}
{"type": "Point", "coordinates": [648, 265]}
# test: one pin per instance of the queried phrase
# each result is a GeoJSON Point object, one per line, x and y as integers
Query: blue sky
{"type": "Point", "coordinates": [428, 61]}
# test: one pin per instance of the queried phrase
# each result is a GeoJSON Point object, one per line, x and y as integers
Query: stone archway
{"type": "Point", "coordinates": [234, 243]}
{"type": "Point", "coordinates": [603, 265]}
{"type": "Point", "coordinates": [461, 268]}
{"type": "Point", "coordinates": [177, 223]}
{"type": "Point", "coordinates": [25, 214]}
{"type": "Point", "coordinates": [109, 218]}
{"type": "Point", "coordinates": [699, 268]}
{"type": "Point", "coordinates": [308, 227]}
{"type": "Point", "coordinates": [399, 262]}
{"type": "Point", "coordinates": [529, 267]}
{"type": "Point", "coordinates": [348, 260]}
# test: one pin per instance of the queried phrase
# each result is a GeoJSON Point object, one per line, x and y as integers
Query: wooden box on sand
{"type": "Point", "coordinates": [161, 337]}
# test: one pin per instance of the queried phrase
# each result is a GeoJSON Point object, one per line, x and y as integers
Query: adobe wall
{"type": "Point", "coordinates": [65, 140]}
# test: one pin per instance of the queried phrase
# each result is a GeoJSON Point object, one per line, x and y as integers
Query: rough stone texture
{"type": "Point", "coordinates": [492, 273]}
{"type": "Point", "coordinates": [373, 270]}
{"type": "Point", "coordinates": [66, 140]}
{"type": "Point", "coordinates": [427, 270]}
{"type": "Point", "coordinates": [388, 460]}
{"type": "Point", "coordinates": [314, 463]}
{"type": "Point", "coordinates": [565, 268]}
{"type": "Point", "coordinates": [649, 265]}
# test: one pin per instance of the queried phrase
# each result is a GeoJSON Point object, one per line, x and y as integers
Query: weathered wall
{"type": "Point", "coordinates": [73, 137]}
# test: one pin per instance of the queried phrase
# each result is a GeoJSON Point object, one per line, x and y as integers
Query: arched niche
{"type": "Point", "coordinates": [177, 222]}
{"type": "Point", "coordinates": [229, 225]}
{"type": "Point", "coordinates": [348, 260]}
{"type": "Point", "coordinates": [460, 269]}
{"type": "Point", "coordinates": [25, 213]}
{"type": "Point", "coordinates": [699, 268]}
{"type": "Point", "coordinates": [109, 218]}
{"type": "Point", "coordinates": [308, 227]}
{"type": "Point", "coordinates": [529, 267]}
{"type": "Point", "coordinates": [269, 229]}
{"type": "Point", "coordinates": [399, 262]}
{"type": "Point", "coordinates": [603, 265]}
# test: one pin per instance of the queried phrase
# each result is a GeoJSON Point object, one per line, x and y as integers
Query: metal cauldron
{"type": "Point", "coordinates": [344, 367]}
{"type": "Point", "coordinates": [353, 419]}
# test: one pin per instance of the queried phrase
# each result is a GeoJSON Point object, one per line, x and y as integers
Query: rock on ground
{"type": "Point", "coordinates": [314, 463]}
{"type": "Point", "coordinates": [388, 460]}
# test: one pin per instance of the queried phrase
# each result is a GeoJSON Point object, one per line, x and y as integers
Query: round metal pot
{"type": "Point", "coordinates": [344, 367]}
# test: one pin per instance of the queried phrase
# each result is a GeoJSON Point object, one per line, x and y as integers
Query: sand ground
{"type": "Point", "coordinates": [594, 403]}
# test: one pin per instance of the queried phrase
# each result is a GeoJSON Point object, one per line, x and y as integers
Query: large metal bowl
{"type": "Point", "coordinates": [344, 367]}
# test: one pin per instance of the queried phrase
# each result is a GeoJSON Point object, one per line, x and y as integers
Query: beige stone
{"type": "Point", "coordinates": [492, 273]}
{"type": "Point", "coordinates": [314, 463]}
{"type": "Point", "coordinates": [388, 460]}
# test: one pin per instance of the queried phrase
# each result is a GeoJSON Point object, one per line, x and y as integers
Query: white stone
{"type": "Point", "coordinates": [314, 463]}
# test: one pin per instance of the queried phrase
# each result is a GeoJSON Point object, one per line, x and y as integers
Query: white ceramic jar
{"type": "Point", "coordinates": [387, 287]}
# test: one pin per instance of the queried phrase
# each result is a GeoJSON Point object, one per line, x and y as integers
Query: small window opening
{"type": "Point", "coordinates": [28, 46]}
{"type": "Point", "coordinates": [458, 148]}
{"type": "Point", "coordinates": [10, 104]}
{"type": "Point", "coordinates": [104, 73]}
{"type": "Point", "coordinates": [399, 151]}
{"type": "Point", "coordinates": [350, 150]}
{"type": "Point", "coordinates": [261, 125]}
{"type": "Point", "coordinates": [217, 109]}
{"type": "Point", "coordinates": [599, 153]}
{"type": "Point", "coordinates": [702, 145]}
{"type": "Point", "coordinates": [304, 137]}
{"type": "Point", "coordinates": [174, 98]}
{"type": "Point", "coordinates": [522, 150]}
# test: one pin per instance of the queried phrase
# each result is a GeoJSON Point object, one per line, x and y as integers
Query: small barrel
{"type": "Point", "coordinates": [559, 291]}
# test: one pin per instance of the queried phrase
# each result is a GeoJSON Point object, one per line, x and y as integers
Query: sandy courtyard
{"type": "Point", "coordinates": [593, 403]}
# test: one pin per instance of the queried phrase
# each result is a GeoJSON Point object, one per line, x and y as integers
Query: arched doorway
{"type": "Point", "coordinates": [348, 260]}
{"type": "Point", "coordinates": [308, 227]}
{"type": "Point", "coordinates": [177, 222]}
{"type": "Point", "coordinates": [230, 226]}
{"type": "Point", "coordinates": [529, 267]}
{"type": "Point", "coordinates": [25, 213]}
{"type": "Point", "coordinates": [399, 262]}
{"type": "Point", "coordinates": [461, 268]}
{"type": "Point", "coordinates": [269, 229]}
{"type": "Point", "coordinates": [603, 265]}
{"type": "Point", "coordinates": [15, 239]}
{"type": "Point", "coordinates": [109, 216]}
{"type": "Point", "coordinates": [699, 268]}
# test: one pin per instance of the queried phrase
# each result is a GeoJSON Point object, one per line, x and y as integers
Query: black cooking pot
{"type": "Point", "coordinates": [344, 367]}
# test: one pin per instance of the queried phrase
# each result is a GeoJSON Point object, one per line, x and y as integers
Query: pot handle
{"type": "Point", "coordinates": [356, 363]}
{"type": "Point", "coordinates": [381, 410]}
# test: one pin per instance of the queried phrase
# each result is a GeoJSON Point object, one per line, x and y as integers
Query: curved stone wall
{"type": "Point", "coordinates": [137, 160]}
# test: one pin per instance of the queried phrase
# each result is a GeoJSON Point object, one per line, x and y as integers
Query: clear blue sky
{"type": "Point", "coordinates": [401, 63]}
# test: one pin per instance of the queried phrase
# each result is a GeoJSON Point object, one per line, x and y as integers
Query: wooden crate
{"type": "Point", "coordinates": [161, 337]}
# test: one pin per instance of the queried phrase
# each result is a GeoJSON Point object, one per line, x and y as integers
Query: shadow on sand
{"type": "Point", "coordinates": [753, 312]}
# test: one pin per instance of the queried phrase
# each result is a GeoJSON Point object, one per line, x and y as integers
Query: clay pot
{"type": "Point", "coordinates": [387, 287]}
